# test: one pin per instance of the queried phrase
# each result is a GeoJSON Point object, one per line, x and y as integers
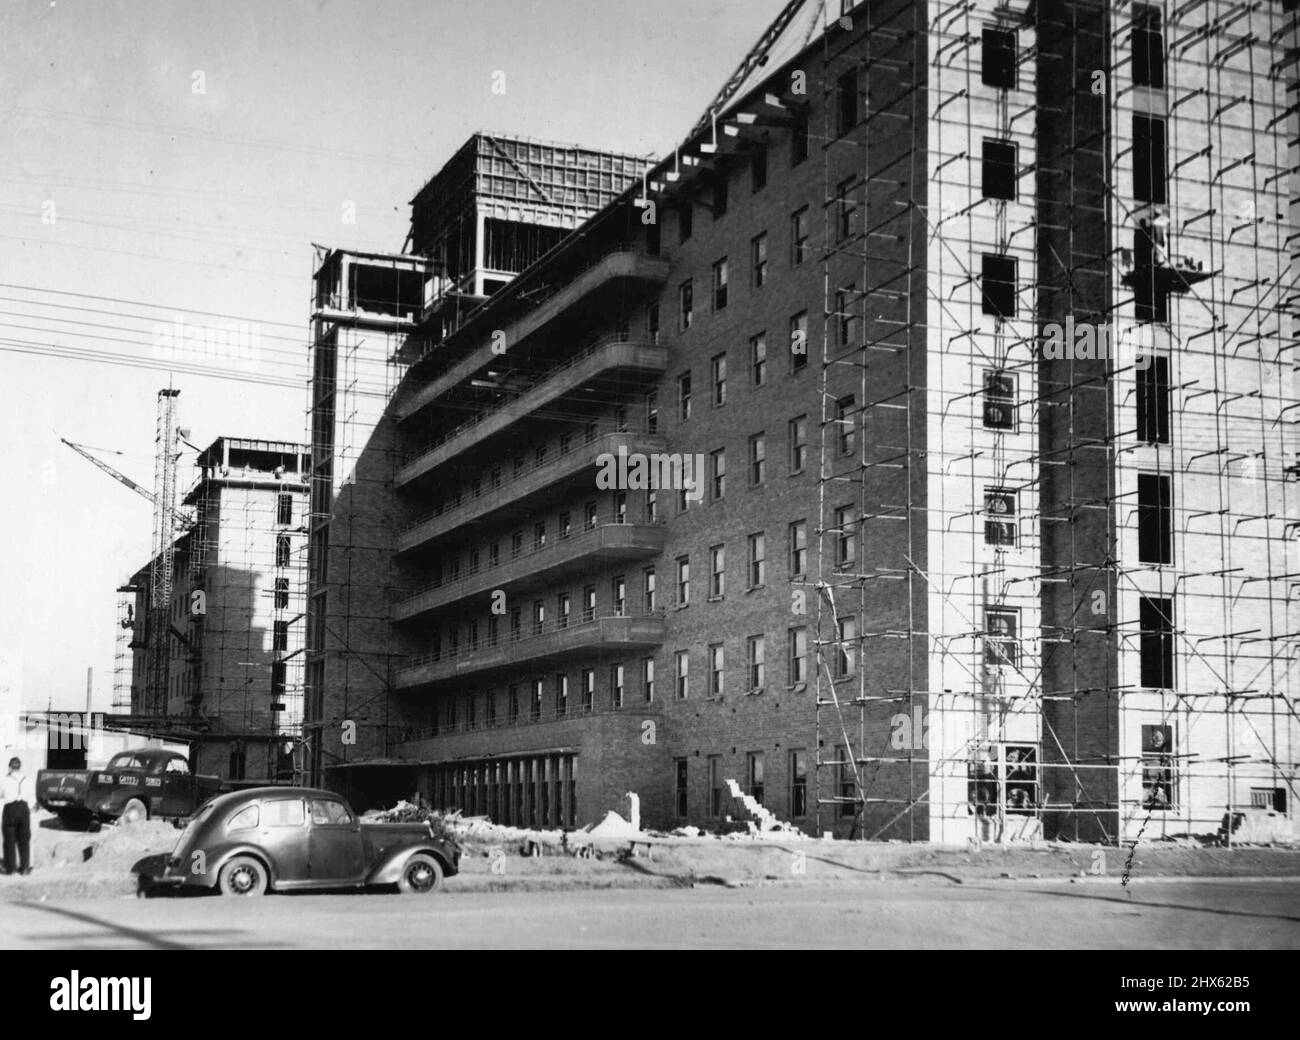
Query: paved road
{"type": "Point", "coordinates": [923, 914]}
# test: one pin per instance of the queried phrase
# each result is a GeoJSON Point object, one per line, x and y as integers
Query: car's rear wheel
{"type": "Point", "coordinates": [243, 876]}
{"type": "Point", "coordinates": [133, 812]}
{"type": "Point", "coordinates": [420, 874]}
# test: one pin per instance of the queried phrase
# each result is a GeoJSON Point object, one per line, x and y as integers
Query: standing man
{"type": "Point", "coordinates": [15, 818]}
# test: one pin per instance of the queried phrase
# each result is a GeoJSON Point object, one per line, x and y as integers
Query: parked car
{"type": "Point", "coordinates": [286, 839]}
{"type": "Point", "coordinates": [135, 785]}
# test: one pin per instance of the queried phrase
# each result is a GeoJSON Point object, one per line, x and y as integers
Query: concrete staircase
{"type": "Point", "coordinates": [760, 818]}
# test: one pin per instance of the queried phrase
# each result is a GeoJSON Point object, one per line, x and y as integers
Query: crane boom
{"type": "Point", "coordinates": [121, 478]}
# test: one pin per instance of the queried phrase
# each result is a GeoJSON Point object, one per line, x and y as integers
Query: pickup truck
{"type": "Point", "coordinates": [135, 785]}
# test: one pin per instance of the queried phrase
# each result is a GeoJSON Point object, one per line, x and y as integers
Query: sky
{"type": "Point", "coordinates": [175, 161]}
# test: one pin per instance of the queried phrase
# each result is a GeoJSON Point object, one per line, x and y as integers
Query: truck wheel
{"type": "Point", "coordinates": [133, 812]}
{"type": "Point", "coordinates": [243, 876]}
{"type": "Point", "coordinates": [420, 874]}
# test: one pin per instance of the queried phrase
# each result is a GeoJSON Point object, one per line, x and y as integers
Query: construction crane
{"type": "Point", "coordinates": [121, 478]}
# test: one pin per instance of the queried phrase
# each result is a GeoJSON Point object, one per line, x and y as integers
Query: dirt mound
{"type": "Point", "coordinates": [114, 848]}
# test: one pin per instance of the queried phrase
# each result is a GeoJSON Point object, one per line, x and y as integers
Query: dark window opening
{"type": "Point", "coordinates": [1153, 401]}
{"type": "Point", "coordinates": [1150, 294]}
{"type": "Point", "coordinates": [1150, 173]}
{"type": "Point", "coordinates": [998, 285]}
{"type": "Point", "coordinates": [719, 195]}
{"type": "Point", "coordinates": [999, 400]}
{"type": "Point", "coordinates": [1156, 643]}
{"type": "Point", "coordinates": [1148, 47]}
{"type": "Point", "coordinates": [998, 59]}
{"type": "Point", "coordinates": [1155, 519]}
{"type": "Point", "coordinates": [799, 140]}
{"type": "Point", "coordinates": [999, 170]}
{"type": "Point", "coordinates": [685, 222]}
{"type": "Point", "coordinates": [758, 168]}
{"type": "Point", "coordinates": [846, 102]}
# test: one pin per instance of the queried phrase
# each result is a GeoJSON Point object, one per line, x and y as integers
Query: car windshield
{"type": "Point", "coordinates": [124, 761]}
{"type": "Point", "coordinates": [204, 812]}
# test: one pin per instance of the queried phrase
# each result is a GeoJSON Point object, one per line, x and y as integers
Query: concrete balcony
{"type": "Point", "coordinates": [536, 649]}
{"type": "Point", "coordinates": [607, 543]}
{"type": "Point", "coordinates": [604, 275]}
{"type": "Point", "coordinates": [519, 491]}
{"type": "Point", "coordinates": [603, 360]}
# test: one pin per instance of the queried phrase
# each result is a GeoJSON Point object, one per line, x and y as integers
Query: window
{"type": "Point", "coordinates": [1153, 401]}
{"type": "Point", "coordinates": [846, 210]}
{"type": "Point", "coordinates": [757, 459]}
{"type": "Point", "coordinates": [686, 304]}
{"type": "Point", "coordinates": [588, 689]}
{"type": "Point", "coordinates": [1001, 637]}
{"type": "Point", "coordinates": [494, 554]}
{"type": "Point", "coordinates": [799, 139]}
{"type": "Point", "coordinates": [280, 637]}
{"type": "Point", "coordinates": [1159, 776]}
{"type": "Point", "coordinates": [798, 443]}
{"type": "Point", "coordinates": [846, 313]}
{"type": "Point", "coordinates": [999, 400]}
{"type": "Point", "coordinates": [683, 581]}
{"type": "Point", "coordinates": [1000, 513]}
{"type": "Point", "coordinates": [715, 785]}
{"type": "Point", "coordinates": [1155, 519]}
{"type": "Point", "coordinates": [1156, 643]}
{"type": "Point", "coordinates": [561, 695]}
{"type": "Point", "coordinates": [281, 593]}
{"type": "Point", "coordinates": [1273, 798]}
{"type": "Point", "coordinates": [475, 560]}
{"type": "Point", "coordinates": [846, 102]}
{"type": "Point", "coordinates": [846, 536]}
{"type": "Point", "coordinates": [284, 509]}
{"type": "Point", "coordinates": [719, 195]}
{"type": "Point", "coordinates": [539, 535]}
{"type": "Point", "coordinates": [1148, 47]}
{"type": "Point", "coordinates": [564, 610]}
{"type": "Point", "coordinates": [282, 549]}
{"type": "Point", "coordinates": [648, 679]}
{"type": "Point", "coordinates": [512, 704]}
{"type": "Point", "coordinates": [652, 412]}
{"type": "Point", "coordinates": [651, 599]}
{"type": "Point", "coordinates": [589, 603]}
{"type": "Point", "coordinates": [718, 369]}
{"type": "Point", "coordinates": [798, 783]}
{"type": "Point", "coordinates": [566, 526]}
{"type": "Point", "coordinates": [798, 664]}
{"type": "Point", "coordinates": [685, 221]}
{"type": "Point", "coordinates": [756, 647]}
{"type": "Point", "coordinates": [845, 424]}
{"type": "Point", "coordinates": [846, 662]}
{"type": "Point", "coordinates": [516, 622]}
{"type": "Point", "coordinates": [590, 519]}
{"type": "Point", "coordinates": [1149, 173]}
{"type": "Point", "coordinates": [798, 538]}
{"type": "Point", "coordinates": [758, 359]}
{"type": "Point", "coordinates": [758, 168]}
{"type": "Point", "coordinates": [1021, 772]}
{"type": "Point", "coordinates": [754, 772]}
{"type": "Point", "coordinates": [616, 684]}
{"type": "Point", "coordinates": [798, 341]}
{"type": "Point", "coordinates": [683, 675]}
{"type": "Point", "coordinates": [679, 787]}
{"type": "Point", "coordinates": [248, 818]}
{"type": "Point", "coordinates": [539, 617]}
{"type": "Point", "coordinates": [717, 670]}
{"type": "Point", "coordinates": [684, 396]}
{"type": "Point", "coordinates": [757, 560]}
{"type": "Point", "coordinates": [284, 812]}
{"type": "Point", "coordinates": [535, 707]}
{"type": "Point", "coordinates": [620, 507]}
{"type": "Point", "coordinates": [717, 571]}
{"type": "Point", "coordinates": [999, 169]}
{"type": "Point", "coordinates": [620, 418]}
{"type": "Point", "coordinates": [998, 58]}
{"type": "Point", "coordinates": [998, 285]}
{"type": "Point", "coordinates": [516, 544]}
{"type": "Point", "coordinates": [651, 505]}
{"type": "Point", "coordinates": [758, 259]}
{"type": "Point", "coordinates": [799, 236]}
{"type": "Point", "coordinates": [618, 591]}
{"type": "Point", "coordinates": [720, 284]}
{"type": "Point", "coordinates": [1150, 289]}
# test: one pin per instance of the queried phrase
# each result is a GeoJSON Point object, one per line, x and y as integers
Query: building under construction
{"type": "Point", "coordinates": [216, 657]}
{"type": "Point", "coordinates": [978, 319]}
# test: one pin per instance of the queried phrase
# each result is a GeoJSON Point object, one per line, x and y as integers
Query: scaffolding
{"type": "Point", "coordinates": [1071, 652]}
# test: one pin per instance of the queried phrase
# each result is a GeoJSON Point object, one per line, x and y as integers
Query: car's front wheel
{"type": "Point", "coordinates": [133, 812]}
{"type": "Point", "coordinates": [421, 873]}
{"type": "Point", "coordinates": [243, 876]}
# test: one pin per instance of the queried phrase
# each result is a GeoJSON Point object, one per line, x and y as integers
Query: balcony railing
{"type": "Point", "coordinates": [626, 540]}
{"type": "Point", "coordinates": [534, 644]}
{"type": "Point", "coordinates": [527, 716]}
{"type": "Point", "coordinates": [612, 352]}
{"type": "Point", "coordinates": [513, 486]}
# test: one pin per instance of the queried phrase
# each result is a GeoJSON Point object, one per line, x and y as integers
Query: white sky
{"type": "Point", "coordinates": [209, 201]}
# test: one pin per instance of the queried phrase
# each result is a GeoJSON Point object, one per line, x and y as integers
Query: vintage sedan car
{"type": "Point", "coordinates": [292, 838]}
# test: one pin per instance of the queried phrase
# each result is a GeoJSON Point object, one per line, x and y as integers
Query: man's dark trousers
{"type": "Point", "coordinates": [16, 823]}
